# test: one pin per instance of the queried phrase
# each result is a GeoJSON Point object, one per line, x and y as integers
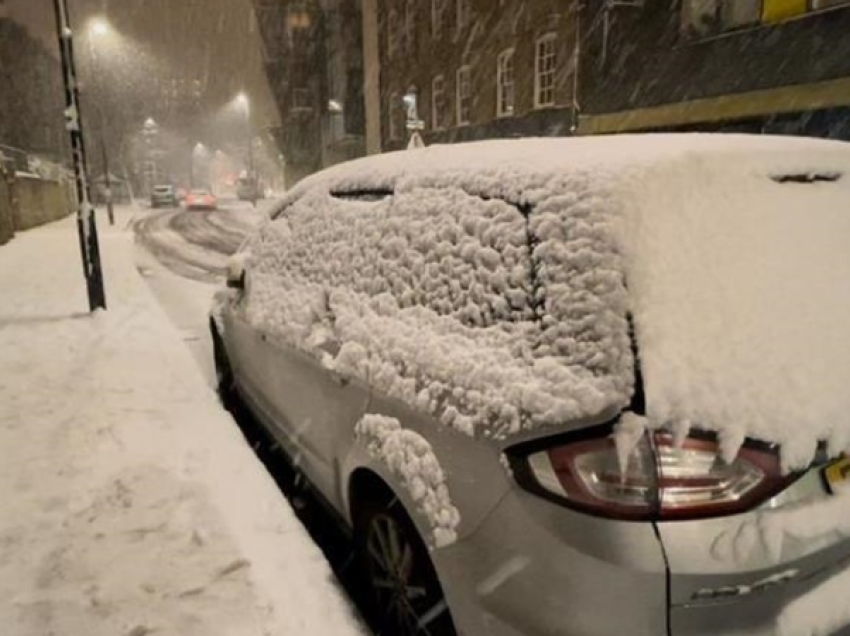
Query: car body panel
{"type": "Point", "coordinates": [535, 568]}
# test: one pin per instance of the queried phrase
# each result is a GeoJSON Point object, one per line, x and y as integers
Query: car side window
{"type": "Point", "coordinates": [458, 255]}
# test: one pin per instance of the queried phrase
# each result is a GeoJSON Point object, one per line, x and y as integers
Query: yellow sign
{"type": "Point", "coordinates": [838, 472]}
{"type": "Point", "coordinates": [779, 10]}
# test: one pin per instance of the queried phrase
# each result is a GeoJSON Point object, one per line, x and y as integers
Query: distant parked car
{"type": "Point", "coordinates": [592, 386]}
{"type": "Point", "coordinates": [164, 196]}
{"type": "Point", "coordinates": [201, 200]}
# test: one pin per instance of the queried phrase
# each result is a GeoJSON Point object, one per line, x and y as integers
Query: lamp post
{"type": "Point", "coordinates": [99, 28]}
{"type": "Point", "coordinates": [86, 224]}
{"type": "Point", "coordinates": [245, 104]}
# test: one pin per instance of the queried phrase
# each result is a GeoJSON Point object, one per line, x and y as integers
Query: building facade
{"type": "Point", "coordinates": [475, 69]}
{"type": "Point", "coordinates": [32, 100]}
{"type": "Point", "coordinates": [778, 66]}
{"type": "Point", "coordinates": [313, 54]}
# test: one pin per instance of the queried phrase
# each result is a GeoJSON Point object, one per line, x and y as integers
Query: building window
{"type": "Point", "coordinates": [410, 25]}
{"type": "Point", "coordinates": [436, 18]}
{"type": "Point", "coordinates": [438, 103]}
{"type": "Point", "coordinates": [463, 14]}
{"type": "Point", "coordinates": [505, 83]}
{"type": "Point", "coordinates": [545, 63]}
{"type": "Point", "coordinates": [702, 18]}
{"type": "Point", "coordinates": [464, 96]}
{"type": "Point", "coordinates": [739, 13]}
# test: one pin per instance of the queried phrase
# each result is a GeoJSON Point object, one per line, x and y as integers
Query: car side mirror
{"type": "Point", "coordinates": [236, 268]}
{"type": "Point", "coordinates": [236, 283]}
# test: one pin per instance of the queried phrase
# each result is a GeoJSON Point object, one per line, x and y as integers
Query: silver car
{"type": "Point", "coordinates": [555, 386]}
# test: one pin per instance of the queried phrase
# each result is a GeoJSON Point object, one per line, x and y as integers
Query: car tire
{"type": "Point", "coordinates": [401, 589]}
{"type": "Point", "coordinates": [225, 382]}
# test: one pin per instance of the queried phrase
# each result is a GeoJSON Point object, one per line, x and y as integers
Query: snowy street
{"type": "Point", "coordinates": [125, 494]}
{"type": "Point", "coordinates": [194, 243]}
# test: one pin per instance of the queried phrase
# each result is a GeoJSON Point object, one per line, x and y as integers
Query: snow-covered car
{"type": "Point", "coordinates": [587, 386]}
{"type": "Point", "coordinates": [200, 200]}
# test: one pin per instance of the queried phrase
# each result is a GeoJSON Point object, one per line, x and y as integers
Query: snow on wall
{"type": "Point", "coordinates": [446, 303]}
{"type": "Point", "coordinates": [735, 284]}
{"type": "Point", "coordinates": [410, 457]}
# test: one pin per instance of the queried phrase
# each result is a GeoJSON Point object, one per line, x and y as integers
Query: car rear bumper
{"type": "Point", "coordinates": [761, 613]}
{"type": "Point", "coordinates": [532, 568]}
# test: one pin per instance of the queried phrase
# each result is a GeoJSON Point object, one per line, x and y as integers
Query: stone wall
{"type": "Point", "coordinates": [27, 202]}
{"type": "Point", "coordinates": [39, 201]}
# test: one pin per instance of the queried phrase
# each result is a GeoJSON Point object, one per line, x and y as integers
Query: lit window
{"type": "Point", "coordinates": [738, 13]}
{"type": "Point", "coordinates": [464, 96]}
{"type": "Point", "coordinates": [701, 18]}
{"type": "Point", "coordinates": [505, 83]}
{"type": "Point", "coordinates": [545, 63]}
{"type": "Point", "coordinates": [438, 103]}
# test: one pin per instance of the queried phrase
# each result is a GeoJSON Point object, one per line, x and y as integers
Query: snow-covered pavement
{"type": "Point", "coordinates": [131, 503]}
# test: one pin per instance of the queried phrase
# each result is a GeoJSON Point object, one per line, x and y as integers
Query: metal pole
{"type": "Point", "coordinates": [86, 224]}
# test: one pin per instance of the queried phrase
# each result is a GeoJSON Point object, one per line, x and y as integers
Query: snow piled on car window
{"type": "Point", "coordinates": [736, 283]}
{"type": "Point", "coordinates": [410, 457]}
{"type": "Point", "coordinates": [440, 303]}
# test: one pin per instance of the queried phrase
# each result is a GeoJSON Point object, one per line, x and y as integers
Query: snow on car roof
{"type": "Point", "coordinates": [509, 168]}
{"type": "Point", "coordinates": [733, 249]}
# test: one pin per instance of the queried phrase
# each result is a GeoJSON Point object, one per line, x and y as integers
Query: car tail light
{"type": "Point", "coordinates": [659, 479]}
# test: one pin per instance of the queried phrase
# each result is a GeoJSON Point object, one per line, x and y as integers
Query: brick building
{"type": "Point", "coordinates": [751, 65]}
{"type": "Point", "coordinates": [313, 56]}
{"type": "Point", "coordinates": [476, 68]}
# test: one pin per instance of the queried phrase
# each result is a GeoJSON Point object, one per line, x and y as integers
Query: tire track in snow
{"type": "Point", "coordinates": [193, 244]}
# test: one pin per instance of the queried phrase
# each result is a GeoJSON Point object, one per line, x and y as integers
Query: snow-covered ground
{"type": "Point", "coordinates": [131, 503]}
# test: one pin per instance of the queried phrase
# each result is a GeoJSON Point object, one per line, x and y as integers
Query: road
{"type": "Point", "coordinates": [197, 243]}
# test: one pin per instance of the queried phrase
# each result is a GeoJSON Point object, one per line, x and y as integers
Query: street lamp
{"type": "Point", "coordinates": [86, 223]}
{"type": "Point", "coordinates": [99, 28]}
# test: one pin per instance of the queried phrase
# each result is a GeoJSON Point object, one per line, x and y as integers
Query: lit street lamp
{"type": "Point", "coordinates": [86, 223]}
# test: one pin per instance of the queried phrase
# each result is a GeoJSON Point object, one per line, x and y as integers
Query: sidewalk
{"type": "Point", "coordinates": [130, 504]}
